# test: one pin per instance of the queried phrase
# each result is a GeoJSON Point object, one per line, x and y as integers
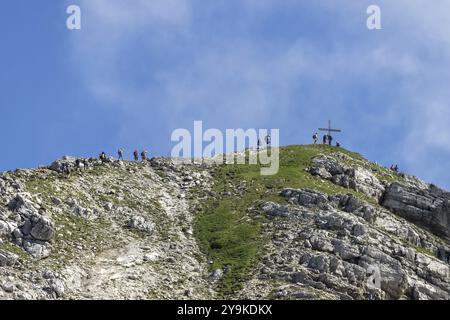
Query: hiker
{"type": "Point", "coordinates": [258, 145]}
{"type": "Point", "coordinates": [144, 155]}
{"type": "Point", "coordinates": [78, 164]}
{"type": "Point", "coordinates": [268, 139]}
{"type": "Point", "coordinates": [325, 139]}
{"type": "Point", "coordinates": [63, 167]}
{"type": "Point", "coordinates": [102, 157]}
{"type": "Point", "coordinates": [85, 164]}
{"type": "Point", "coordinates": [136, 155]}
{"type": "Point", "coordinates": [66, 168]}
{"type": "Point", "coordinates": [396, 168]}
{"type": "Point", "coordinates": [315, 137]}
{"type": "Point", "coordinates": [120, 153]}
{"type": "Point", "coordinates": [338, 144]}
{"type": "Point", "coordinates": [330, 139]}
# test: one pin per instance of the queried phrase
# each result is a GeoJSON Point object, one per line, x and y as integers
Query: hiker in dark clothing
{"type": "Point", "coordinates": [77, 164]}
{"type": "Point", "coordinates": [102, 157]}
{"type": "Point", "coordinates": [258, 145]}
{"type": "Point", "coordinates": [66, 169]}
{"type": "Point", "coordinates": [330, 139]}
{"type": "Point", "coordinates": [136, 155]}
{"type": "Point", "coordinates": [338, 144]}
{"type": "Point", "coordinates": [315, 137]}
{"type": "Point", "coordinates": [120, 153]}
{"type": "Point", "coordinates": [63, 167]}
{"type": "Point", "coordinates": [85, 164]}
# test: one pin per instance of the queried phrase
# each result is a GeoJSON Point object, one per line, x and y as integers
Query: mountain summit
{"type": "Point", "coordinates": [329, 225]}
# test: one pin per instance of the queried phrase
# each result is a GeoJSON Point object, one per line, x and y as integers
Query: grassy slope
{"type": "Point", "coordinates": [227, 231]}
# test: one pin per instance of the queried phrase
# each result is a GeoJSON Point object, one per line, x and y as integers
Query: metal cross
{"type": "Point", "coordinates": [329, 129]}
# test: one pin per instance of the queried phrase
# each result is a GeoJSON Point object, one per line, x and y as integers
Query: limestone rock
{"type": "Point", "coordinates": [427, 207]}
{"type": "Point", "coordinates": [141, 224]}
{"type": "Point", "coordinates": [7, 258]}
{"type": "Point", "coordinates": [358, 179]}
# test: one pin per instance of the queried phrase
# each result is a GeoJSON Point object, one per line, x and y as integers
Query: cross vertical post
{"type": "Point", "coordinates": [329, 129]}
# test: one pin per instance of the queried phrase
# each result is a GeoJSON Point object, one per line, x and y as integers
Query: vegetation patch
{"type": "Point", "coordinates": [228, 230]}
{"type": "Point", "coordinates": [12, 248]}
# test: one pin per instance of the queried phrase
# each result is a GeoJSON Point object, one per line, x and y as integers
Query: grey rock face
{"type": "Point", "coordinates": [427, 207]}
{"type": "Point", "coordinates": [42, 230]}
{"type": "Point", "coordinates": [340, 247]}
{"type": "Point", "coordinates": [6, 228]}
{"type": "Point", "coordinates": [58, 287]}
{"type": "Point", "coordinates": [34, 229]}
{"type": "Point", "coordinates": [8, 287]}
{"type": "Point", "coordinates": [36, 250]}
{"type": "Point", "coordinates": [7, 258]}
{"type": "Point", "coordinates": [276, 209]}
{"type": "Point", "coordinates": [141, 224]}
{"type": "Point", "coordinates": [359, 178]}
{"type": "Point", "coordinates": [314, 199]}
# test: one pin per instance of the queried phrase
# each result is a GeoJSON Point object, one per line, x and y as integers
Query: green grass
{"type": "Point", "coordinates": [12, 248]}
{"type": "Point", "coordinates": [424, 251]}
{"type": "Point", "coordinates": [229, 233]}
{"type": "Point", "coordinates": [43, 186]}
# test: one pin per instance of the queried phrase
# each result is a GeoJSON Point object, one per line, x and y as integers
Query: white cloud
{"type": "Point", "coordinates": [235, 79]}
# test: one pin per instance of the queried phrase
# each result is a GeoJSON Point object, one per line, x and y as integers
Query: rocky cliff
{"type": "Point", "coordinates": [329, 225]}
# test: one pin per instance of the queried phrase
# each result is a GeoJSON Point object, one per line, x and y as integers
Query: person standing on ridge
{"type": "Point", "coordinates": [78, 164]}
{"type": "Point", "coordinates": [315, 137]}
{"type": "Point", "coordinates": [258, 145]}
{"type": "Point", "coordinates": [330, 139]}
{"type": "Point", "coordinates": [102, 157]}
{"type": "Point", "coordinates": [325, 139]}
{"type": "Point", "coordinates": [120, 153]}
{"type": "Point", "coordinates": [144, 155]}
{"type": "Point", "coordinates": [136, 155]}
{"type": "Point", "coordinates": [85, 163]}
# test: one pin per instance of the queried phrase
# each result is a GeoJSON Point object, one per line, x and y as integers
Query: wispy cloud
{"type": "Point", "coordinates": [226, 62]}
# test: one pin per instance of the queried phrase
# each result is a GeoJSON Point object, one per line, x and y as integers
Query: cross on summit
{"type": "Point", "coordinates": [329, 129]}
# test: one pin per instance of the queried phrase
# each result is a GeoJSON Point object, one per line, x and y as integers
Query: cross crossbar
{"type": "Point", "coordinates": [329, 129]}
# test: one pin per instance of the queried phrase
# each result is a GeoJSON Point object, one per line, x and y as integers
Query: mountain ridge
{"type": "Point", "coordinates": [164, 230]}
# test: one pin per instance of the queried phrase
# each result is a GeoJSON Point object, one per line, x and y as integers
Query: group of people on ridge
{"type": "Point", "coordinates": [120, 154]}
{"type": "Point", "coordinates": [394, 168]}
{"type": "Point", "coordinates": [81, 164]}
{"type": "Point", "coordinates": [327, 139]}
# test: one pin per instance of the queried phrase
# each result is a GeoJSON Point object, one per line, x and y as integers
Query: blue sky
{"type": "Point", "coordinates": [140, 69]}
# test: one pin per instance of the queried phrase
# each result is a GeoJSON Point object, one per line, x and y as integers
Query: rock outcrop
{"type": "Point", "coordinates": [357, 178]}
{"type": "Point", "coordinates": [328, 247]}
{"type": "Point", "coordinates": [428, 207]}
